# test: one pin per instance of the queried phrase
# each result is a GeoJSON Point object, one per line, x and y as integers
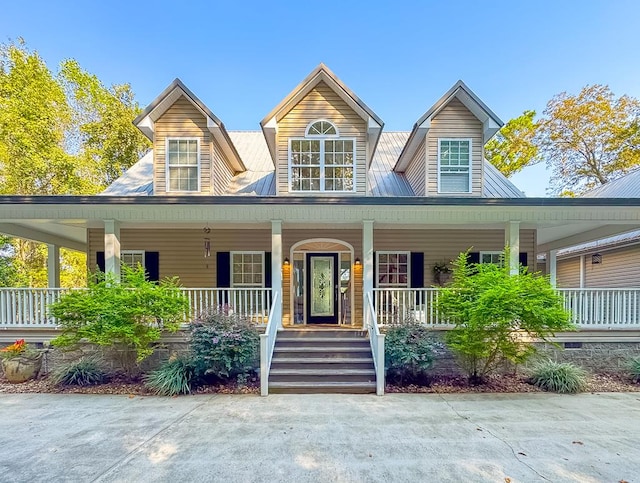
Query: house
{"type": "Point", "coordinates": [319, 219]}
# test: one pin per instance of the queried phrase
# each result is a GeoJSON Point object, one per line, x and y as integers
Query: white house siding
{"type": "Point", "coordinates": [455, 121]}
{"type": "Point", "coordinates": [182, 119]}
{"type": "Point", "coordinates": [441, 246]}
{"type": "Point", "coordinates": [620, 268]}
{"type": "Point", "coordinates": [321, 103]}
{"type": "Point", "coordinates": [416, 171]}
{"type": "Point", "coordinates": [222, 171]}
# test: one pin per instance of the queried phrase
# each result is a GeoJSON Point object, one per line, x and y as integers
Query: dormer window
{"type": "Point", "coordinates": [454, 165]}
{"type": "Point", "coordinates": [322, 161]}
{"type": "Point", "coordinates": [183, 164]}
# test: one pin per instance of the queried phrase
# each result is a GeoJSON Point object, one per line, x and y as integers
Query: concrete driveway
{"type": "Point", "coordinates": [317, 438]}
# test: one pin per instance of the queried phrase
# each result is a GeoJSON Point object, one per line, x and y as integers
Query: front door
{"type": "Point", "coordinates": [322, 288]}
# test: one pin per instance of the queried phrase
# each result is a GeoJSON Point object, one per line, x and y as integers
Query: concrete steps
{"type": "Point", "coordinates": [322, 361]}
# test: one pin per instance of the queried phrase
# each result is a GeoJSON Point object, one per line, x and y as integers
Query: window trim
{"type": "Point", "coordinates": [322, 166]}
{"type": "Point", "coordinates": [308, 135]}
{"type": "Point", "coordinates": [167, 166]}
{"type": "Point", "coordinates": [232, 284]}
{"type": "Point", "coordinates": [377, 270]}
{"type": "Point", "coordinates": [489, 252]}
{"type": "Point", "coordinates": [469, 180]}
{"type": "Point", "coordinates": [133, 252]}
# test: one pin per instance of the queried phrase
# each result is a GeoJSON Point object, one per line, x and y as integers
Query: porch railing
{"type": "Point", "coordinates": [267, 344]}
{"type": "Point", "coordinates": [591, 308]}
{"type": "Point", "coordinates": [377, 343]}
{"type": "Point", "coordinates": [29, 307]}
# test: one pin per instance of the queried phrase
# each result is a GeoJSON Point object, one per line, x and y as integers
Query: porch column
{"type": "Point", "coordinates": [53, 266]}
{"type": "Point", "coordinates": [553, 267]}
{"type": "Point", "coordinates": [276, 268]}
{"type": "Point", "coordinates": [582, 271]}
{"type": "Point", "coordinates": [367, 260]}
{"type": "Point", "coordinates": [112, 247]}
{"type": "Point", "coordinates": [512, 240]}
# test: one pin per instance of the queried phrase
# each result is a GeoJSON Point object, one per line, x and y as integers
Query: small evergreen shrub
{"type": "Point", "coordinates": [224, 345]}
{"type": "Point", "coordinates": [409, 352]}
{"type": "Point", "coordinates": [86, 371]}
{"type": "Point", "coordinates": [562, 377]}
{"type": "Point", "coordinates": [175, 376]}
{"type": "Point", "coordinates": [634, 369]}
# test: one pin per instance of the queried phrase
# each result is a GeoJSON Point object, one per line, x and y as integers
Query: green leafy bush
{"type": "Point", "coordinates": [496, 314]}
{"type": "Point", "coordinates": [562, 377]}
{"type": "Point", "coordinates": [128, 315]}
{"type": "Point", "coordinates": [86, 371]}
{"type": "Point", "coordinates": [173, 377]}
{"type": "Point", "coordinates": [634, 369]}
{"type": "Point", "coordinates": [409, 352]}
{"type": "Point", "coordinates": [224, 345]}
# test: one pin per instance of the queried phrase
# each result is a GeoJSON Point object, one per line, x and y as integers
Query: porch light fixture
{"type": "Point", "coordinates": [596, 259]}
{"type": "Point", "coordinates": [357, 262]}
{"type": "Point", "coordinates": [286, 261]}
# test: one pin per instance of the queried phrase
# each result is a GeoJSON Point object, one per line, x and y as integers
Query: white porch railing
{"type": "Point", "coordinates": [267, 344]}
{"type": "Point", "coordinates": [376, 340]}
{"type": "Point", "coordinates": [591, 308]}
{"type": "Point", "coordinates": [29, 307]}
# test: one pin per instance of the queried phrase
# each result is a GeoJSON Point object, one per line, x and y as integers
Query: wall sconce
{"type": "Point", "coordinates": [286, 261]}
{"type": "Point", "coordinates": [357, 262]}
{"type": "Point", "coordinates": [596, 259]}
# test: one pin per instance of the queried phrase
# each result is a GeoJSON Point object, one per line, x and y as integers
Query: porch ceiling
{"type": "Point", "coordinates": [560, 223]}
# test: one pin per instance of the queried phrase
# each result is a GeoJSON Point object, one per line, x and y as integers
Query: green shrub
{"type": "Point", "coordinates": [224, 345]}
{"type": "Point", "coordinates": [562, 377]}
{"type": "Point", "coordinates": [409, 352]}
{"type": "Point", "coordinates": [86, 371]}
{"type": "Point", "coordinates": [496, 314]}
{"type": "Point", "coordinates": [127, 316]}
{"type": "Point", "coordinates": [173, 377]}
{"type": "Point", "coordinates": [634, 369]}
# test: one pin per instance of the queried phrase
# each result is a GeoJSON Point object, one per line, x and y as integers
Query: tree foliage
{"type": "Point", "coordinates": [128, 316]}
{"type": "Point", "coordinates": [513, 147]}
{"type": "Point", "coordinates": [494, 313]}
{"type": "Point", "coordinates": [589, 139]}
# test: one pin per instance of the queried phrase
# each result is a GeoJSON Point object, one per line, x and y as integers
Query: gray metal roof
{"type": "Point", "coordinates": [259, 179]}
{"type": "Point", "coordinates": [627, 186]}
{"type": "Point", "coordinates": [609, 242]}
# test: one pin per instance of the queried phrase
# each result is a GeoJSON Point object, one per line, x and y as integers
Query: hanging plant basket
{"type": "Point", "coordinates": [22, 368]}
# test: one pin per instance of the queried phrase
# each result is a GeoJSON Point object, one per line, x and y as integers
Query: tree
{"type": "Point", "coordinates": [496, 315]}
{"type": "Point", "coordinates": [513, 147]}
{"type": "Point", "coordinates": [589, 139]}
{"type": "Point", "coordinates": [127, 317]}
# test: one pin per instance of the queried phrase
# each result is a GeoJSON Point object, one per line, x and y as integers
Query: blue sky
{"type": "Point", "coordinates": [242, 58]}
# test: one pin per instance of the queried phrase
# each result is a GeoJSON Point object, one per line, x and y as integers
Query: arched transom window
{"type": "Point", "coordinates": [322, 161]}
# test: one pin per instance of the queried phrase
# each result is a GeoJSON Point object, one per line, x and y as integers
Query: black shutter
{"type": "Point", "coordinates": [100, 261]}
{"type": "Point", "coordinates": [417, 270]}
{"type": "Point", "coordinates": [267, 269]}
{"type": "Point", "coordinates": [523, 259]}
{"type": "Point", "coordinates": [152, 266]}
{"type": "Point", "coordinates": [473, 257]}
{"type": "Point", "coordinates": [223, 269]}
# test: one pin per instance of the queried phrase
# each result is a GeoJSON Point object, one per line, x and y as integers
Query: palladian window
{"type": "Point", "coordinates": [322, 160]}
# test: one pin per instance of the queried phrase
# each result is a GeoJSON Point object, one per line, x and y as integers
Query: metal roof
{"type": "Point", "coordinates": [628, 186]}
{"type": "Point", "coordinates": [259, 178]}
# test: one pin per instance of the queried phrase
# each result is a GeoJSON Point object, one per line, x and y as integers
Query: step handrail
{"type": "Point", "coordinates": [267, 344]}
{"type": "Point", "coordinates": [376, 339]}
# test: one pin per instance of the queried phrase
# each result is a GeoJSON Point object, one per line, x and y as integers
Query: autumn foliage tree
{"type": "Point", "coordinates": [513, 147]}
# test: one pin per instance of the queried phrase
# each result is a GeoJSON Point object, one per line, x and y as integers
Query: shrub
{"type": "Point", "coordinates": [126, 316]}
{"type": "Point", "coordinates": [495, 313]}
{"type": "Point", "coordinates": [224, 345]}
{"type": "Point", "coordinates": [409, 352]}
{"type": "Point", "coordinates": [562, 377]}
{"type": "Point", "coordinates": [86, 371]}
{"type": "Point", "coordinates": [634, 369]}
{"type": "Point", "coordinates": [173, 377]}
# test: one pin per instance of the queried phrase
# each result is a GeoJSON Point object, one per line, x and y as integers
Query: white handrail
{"type": "Point", "coordinates": [267, 344]}
{"type": "Point", "coordinates": [376, 339]}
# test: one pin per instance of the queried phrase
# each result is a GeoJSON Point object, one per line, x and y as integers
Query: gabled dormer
{"type": "Point", "coordinates": [321, 138]}
{"type": "Point", "coordinates": [444, 155]}
{"type": "Point", "coordinates": [192, 151]}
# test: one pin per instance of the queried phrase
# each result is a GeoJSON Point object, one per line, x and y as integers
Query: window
{"type": "Point", "coordinates": [491, 257]}
{"type": "Point", "coordinates": [183, 166]}
{"type": "Point", "coordinates": [454, 162]}
{"type": "Point", "coordinates": [132, 258]}
{"type": "Point", "coordinates": [247, 269]}
{"type": "Point", "coordinates": [393, 269]}
{"type": "Point", "coordinates": [322, 161]}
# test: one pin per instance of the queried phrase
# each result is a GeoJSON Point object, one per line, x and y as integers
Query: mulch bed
{"type": "Point", "coordinates": [438, 385]}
